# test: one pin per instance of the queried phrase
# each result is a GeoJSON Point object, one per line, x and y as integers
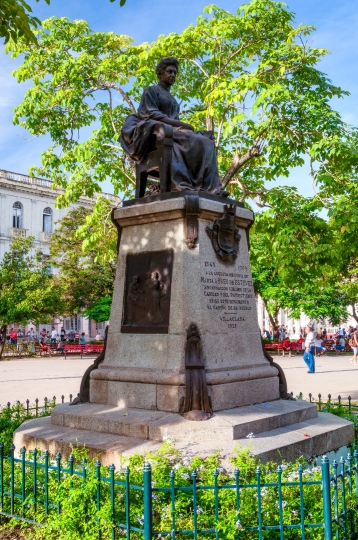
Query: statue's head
{"type": "Point", "coordinates": [167, 70]}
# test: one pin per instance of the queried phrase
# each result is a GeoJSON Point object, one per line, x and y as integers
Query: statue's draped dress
{"type": "Point", "coordinates": [194, 165]}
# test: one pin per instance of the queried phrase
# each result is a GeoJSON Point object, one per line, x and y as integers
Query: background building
{"type": "Point", "coordinates": [27, 207]}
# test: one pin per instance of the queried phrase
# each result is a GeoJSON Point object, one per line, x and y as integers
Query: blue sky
{"type": "Point", "coordinates": [337, 30]}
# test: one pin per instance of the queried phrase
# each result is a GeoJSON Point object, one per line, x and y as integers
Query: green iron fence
{"type": "Point", "coordinates": [130, 505]}
{"type": "Point", "coordinates": [37, 408]}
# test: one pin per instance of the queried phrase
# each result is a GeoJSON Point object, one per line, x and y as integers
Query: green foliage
{"type": "Point", "coordinates": [100, 311]}
{"type": "Point", "coordinates": [250, 76]}
{"type": "Point", "coordinates": [12, 417]}
{"type": "Point", "coordinates": [292, 259]}
{"type": "Point", "coordinates": [342, 410]}
{"type": "Point", "coordinates": [82, 515]}
{"type": "Point", "coordinates": [29, 292]}
{"type": "Point", "coordinates": [17, 22]}
{"type": "Point", "coordinates": [83, 249]}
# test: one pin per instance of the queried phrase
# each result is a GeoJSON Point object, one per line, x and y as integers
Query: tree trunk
{"type": "Point", "coordinates": [272, 316]}
{"type": "Point", "coordinates": [210, 123]}
{"type": "Point", "coordinates": [3, 330]}
{"type": "Point", "coordinates": [354, 313]}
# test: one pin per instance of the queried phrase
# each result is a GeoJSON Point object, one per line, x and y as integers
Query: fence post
{"type": "Point", "coordinates": [1, 475]}
{"type": "Point", "coordinates": [147, 501]}
{"type": "Point", "coordinates": [326, 489]}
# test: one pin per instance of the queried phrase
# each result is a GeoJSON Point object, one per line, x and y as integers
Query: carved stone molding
{"type": "Point", "coordinates": [191, 220]}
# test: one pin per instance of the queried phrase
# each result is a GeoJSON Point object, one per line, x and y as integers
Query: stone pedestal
{"type": "Point", "coordinates": [147, 370]}
{"type": "Point", "coordinates": [137, 392]}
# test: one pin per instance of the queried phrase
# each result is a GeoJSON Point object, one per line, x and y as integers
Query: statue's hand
{"type": "Point", "coordinates": [186, 126]}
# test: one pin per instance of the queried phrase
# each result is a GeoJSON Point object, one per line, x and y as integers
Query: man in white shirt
{"type": "Point", "coordinates": [53, 335]}
{"type": "Point", "coordinates": [308, 355]}
{"type": "Point", "coordinates": [318, 346]}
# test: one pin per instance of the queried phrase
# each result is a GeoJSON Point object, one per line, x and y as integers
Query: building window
{"type": "Point", "coordinates": [45, 262]}
{"type": "Point", "coordinates": [17, 215]}
{"type": "Point", "coordinates": [47, 220]}
{"type": "Point", "coordinates": [71, 324]}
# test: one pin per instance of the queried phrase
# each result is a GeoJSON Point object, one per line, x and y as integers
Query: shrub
{"type": "Point", "coordinates": [12, 417]}
{"type": "Point", "coordinates": [76, 511]}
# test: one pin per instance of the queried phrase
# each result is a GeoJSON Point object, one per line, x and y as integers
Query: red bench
{"type": "Point", "coordinates": [83, 349]}
{"type": "Point", "coordinates": [296, 347]}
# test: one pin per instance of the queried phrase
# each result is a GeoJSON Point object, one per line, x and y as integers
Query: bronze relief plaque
{"type": "Point", "coordinates": [147, 292]}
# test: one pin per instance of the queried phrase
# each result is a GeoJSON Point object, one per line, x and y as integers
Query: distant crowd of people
{"type": "Point", "coordinates": [45, 338]}
{"type": "Point", "coordinates": [315, 343]}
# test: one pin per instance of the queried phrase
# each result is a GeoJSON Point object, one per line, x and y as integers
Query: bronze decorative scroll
{"type": "Point", "coordinates": [196, 405]}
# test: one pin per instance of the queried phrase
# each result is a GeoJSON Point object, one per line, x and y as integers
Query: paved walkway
{"type": "Point", "coordinates": [41, 377]}
{"type": "Point", "coordinates": [47, 377]}
{"type": "Point", "coordinates": [334, 375]}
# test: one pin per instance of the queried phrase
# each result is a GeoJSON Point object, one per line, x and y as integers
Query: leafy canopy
{"type": "Point", "coordinates": [251, 76]}
{"type": "Point", "coordinates": [28, 290]}
{"type": "Point", "coordinates": [292, 261]}
{"type": "Point", "coordinates": [86, 268]}
{"type": "Point", "coordinates": [17, 21]}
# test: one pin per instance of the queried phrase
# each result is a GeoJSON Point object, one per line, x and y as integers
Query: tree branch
{"type": "Point", "coordinates": [238, 163]}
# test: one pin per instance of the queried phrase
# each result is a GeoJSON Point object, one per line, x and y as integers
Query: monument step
{"type": "Point", "coordinates": [310, 437]}
{"type": "Point", "coordinates": [314, 437]}
{"type": "Point", "coordinates": [156, 425]}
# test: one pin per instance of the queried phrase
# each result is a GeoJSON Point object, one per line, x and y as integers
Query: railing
{"type": "Point", "coordinates": [36, 409]}
{"type": "Point", "coordinates": [25, 179]}
{"type": "Point", "coordinates": [32, 180]}
{"type": "Point", "coordinates": [351, 407]}
{"type": "Point", "coordinates": [18, 231]}
{"type": "Point", "coordinates": [122, 505]}
{"type": "Point", "coordinates": [45, 236]}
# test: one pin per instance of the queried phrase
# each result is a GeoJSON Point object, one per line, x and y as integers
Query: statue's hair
{"type": "Point", "coordinates": [165, 62]}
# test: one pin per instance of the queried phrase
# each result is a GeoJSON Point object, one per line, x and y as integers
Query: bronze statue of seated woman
{"type": "Point", "coordinates": [193, 164]}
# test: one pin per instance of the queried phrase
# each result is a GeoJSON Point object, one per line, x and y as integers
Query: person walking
{"type": "Point", "coordinates": [83, 339]}
{"type": "Point", "coordinates": [308, 355]}
{"type": "Point", "coordinates": [353, 342]}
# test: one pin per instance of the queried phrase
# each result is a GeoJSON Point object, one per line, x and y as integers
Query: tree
{"type": "Point", "coordinates": [29, 292]}
{"type": "Point", "coordinates": [17, 21]}
{"type": "Point", "coordinates": [85, 272]}
{"type": "Point", "coordinates": [252, 77]}
{"type": "Point", "coordinates": [292, 260]}
{"type": "Point", "coordinates": [100, 311]}
{"type": "Point", "coordinates": [343, 224]}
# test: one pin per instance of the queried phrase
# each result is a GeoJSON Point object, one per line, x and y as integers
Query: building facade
{"type": "Point", "coordinates": [28, 208]}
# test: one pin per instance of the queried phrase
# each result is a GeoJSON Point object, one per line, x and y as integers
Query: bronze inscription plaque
{"type": "Point", "coordinates": [147, 292]}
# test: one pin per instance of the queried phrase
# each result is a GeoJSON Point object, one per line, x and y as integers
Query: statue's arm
{"type": "Point", "coordinates": [149, 108]}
